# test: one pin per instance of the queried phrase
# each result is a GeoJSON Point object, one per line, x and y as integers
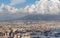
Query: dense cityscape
{"type": "Point", "coordinates": [29, 29]}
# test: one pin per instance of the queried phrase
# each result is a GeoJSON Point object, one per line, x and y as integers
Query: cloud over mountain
{"type": "Point", "coordinates": [41, 7]}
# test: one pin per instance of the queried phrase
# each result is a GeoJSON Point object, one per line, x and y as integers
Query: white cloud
{"type": "Point", "coordinates": [45, 7]}
{"type": "Point", "coordinates": [11, 9]}
{"type": "Point", "coordinates": [40, 7]}
{"type": "Point", "coordinates": [14, 2]}
{"type": "Point", "coordinates": [7, 9]}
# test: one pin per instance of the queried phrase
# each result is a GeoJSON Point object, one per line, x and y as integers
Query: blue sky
{"type": "Point", "coordinates": [5, 1]}
{"type": "Point", "coordinates": [23, 4]}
